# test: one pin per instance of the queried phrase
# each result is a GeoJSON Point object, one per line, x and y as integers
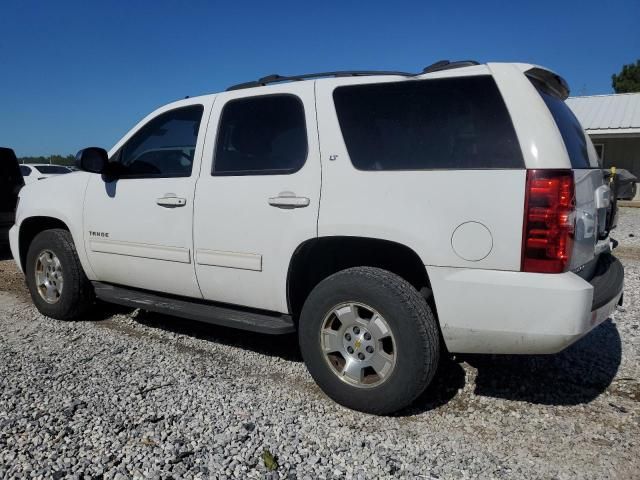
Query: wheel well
{"type": "Point", "coordinates": [316, 259]}
{"type": "Point", "coordinates": [31, 227]}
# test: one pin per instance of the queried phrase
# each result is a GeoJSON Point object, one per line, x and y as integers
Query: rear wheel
{"type": "Point", "coordinates": [57, 283]}
{"type": "Point", "coordinates": [369, 340]}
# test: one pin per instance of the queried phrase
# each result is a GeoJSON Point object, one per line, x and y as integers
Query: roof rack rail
{"type": "Point", "coordinates": [447, 65]}
{"type": "Point", "coordinates": [275, 78]}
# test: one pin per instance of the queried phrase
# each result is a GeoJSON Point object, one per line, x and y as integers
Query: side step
{"type": "Point", "coordinates": [252, 320]}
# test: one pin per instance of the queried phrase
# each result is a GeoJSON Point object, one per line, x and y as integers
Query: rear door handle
{"type": "Point", "coordinates": [171, 201]}
{"type": "Point", "coordinates": [289, 200]}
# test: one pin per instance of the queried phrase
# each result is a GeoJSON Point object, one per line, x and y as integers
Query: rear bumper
{"type": "Point", "coordinates": [491, 311]}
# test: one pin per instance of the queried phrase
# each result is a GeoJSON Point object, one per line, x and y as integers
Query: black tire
{"type": "Point", "coordinates": [412, 324]}
{"type": "Point", "coordinates": [77, 295]}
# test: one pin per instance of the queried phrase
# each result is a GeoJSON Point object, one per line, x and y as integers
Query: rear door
{"type": "Point", "coordinates": [258, 195]}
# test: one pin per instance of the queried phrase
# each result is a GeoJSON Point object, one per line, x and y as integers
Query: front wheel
{"type": "Point", "coordinates": [57, 283]}
{"type": "Point", "coordinates": [369, 340]}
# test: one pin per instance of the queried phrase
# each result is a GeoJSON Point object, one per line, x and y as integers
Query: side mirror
{"type": "Point", "coordinates": [92, 159]}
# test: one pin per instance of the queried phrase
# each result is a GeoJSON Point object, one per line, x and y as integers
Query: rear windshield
{"type": "Point", "coordinates": [572, 132]}
{"type": "Point", "coordinates": [453, 123]}
{"type": "Point", "coordinates": [52, 169]}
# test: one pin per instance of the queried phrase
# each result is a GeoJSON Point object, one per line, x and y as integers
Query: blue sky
{"type": "Point", "coordinates": [75, 74]}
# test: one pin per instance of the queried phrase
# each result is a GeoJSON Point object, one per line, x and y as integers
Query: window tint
{"type": "Point", "coordinates": [52, 169]}
{"type": "Point", "coordinates": [572, 132]}
{"type": "Point", "coordinates": [261, 136]}
{"type": "Point", "coordinates": [164, 147]}
{"type": "Point", "coordinates": [25, 171]}
{"type": "Point", "coordinates": [455, 123]}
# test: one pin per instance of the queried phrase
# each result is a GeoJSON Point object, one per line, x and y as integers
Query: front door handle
{"type": "Point", "coordinates": [289, 200]}
{"type": "Point", "coordinates": [171, 201]}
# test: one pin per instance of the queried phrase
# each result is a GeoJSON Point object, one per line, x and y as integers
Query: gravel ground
{"type": "Point", "coordinates": [131, 394]}
{"type": "Point", "coordinates": [628, 230]}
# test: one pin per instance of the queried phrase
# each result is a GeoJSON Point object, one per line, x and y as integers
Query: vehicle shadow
{"type": "Point", "coordinates": [104, 311]}
{"type": "Point", "coordinates": [283, 346]}
{"type": "Point", "coordinates": [448, 380]}
{"type": "Point", "coordinates": [575, 376]}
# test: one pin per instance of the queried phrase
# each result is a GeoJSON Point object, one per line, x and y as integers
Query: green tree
{"type": "Point", "coordinates": [628, 80]}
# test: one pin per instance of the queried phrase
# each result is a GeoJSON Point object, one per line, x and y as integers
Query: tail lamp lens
{"type": "Point", "coordinates": [549, 221]}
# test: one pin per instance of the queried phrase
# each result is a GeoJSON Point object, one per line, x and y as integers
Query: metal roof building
{"type": "Point", "coordinates": [608, 114]}
{"type": "Point", "coordinates": [613, 123]}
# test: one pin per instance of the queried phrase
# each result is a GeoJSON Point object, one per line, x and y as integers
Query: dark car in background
{"type": "Point", "coordinates": [10, 184]}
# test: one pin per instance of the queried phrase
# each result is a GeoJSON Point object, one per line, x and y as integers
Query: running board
{"type": "Point", "coordinates": [226, 316]}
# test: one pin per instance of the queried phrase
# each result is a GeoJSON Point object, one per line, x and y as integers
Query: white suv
{"type": "Point", "coordinates": [383, 216]}
{"type": "Point", "coordinates": [34, 172]}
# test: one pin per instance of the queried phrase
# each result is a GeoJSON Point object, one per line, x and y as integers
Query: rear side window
{"type": "Point", "coordinates": [25, 171]}
{"type": "Point", "coordinates": [453, 123]}
{"type": "Point", "coordinates": [263, 135]}
{"type": "Point", "coordinates": [572, 132]}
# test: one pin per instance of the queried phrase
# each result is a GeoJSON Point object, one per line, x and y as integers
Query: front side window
{"type": "Point", "coordinates": [263, 135]}
{"type": "Point", "coordinates": [452, 123]}
{"type": "Point", "coordinates": [164, 147]}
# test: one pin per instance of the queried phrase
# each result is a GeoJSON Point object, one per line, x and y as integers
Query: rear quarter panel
{"type": "Point", "coordinates": [543, 147]}
{"type": "Point", "coordinates": [420, 209]}
{"type": "Point", "coordinates": [540, 140]}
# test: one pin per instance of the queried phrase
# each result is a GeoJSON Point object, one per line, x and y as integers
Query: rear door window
{"type": "Point", "coordinates": [572, 132]}
{"type": "Point", "coordinates": [453, 123]}
{"type": "Point", "coordinates": [264, 135]}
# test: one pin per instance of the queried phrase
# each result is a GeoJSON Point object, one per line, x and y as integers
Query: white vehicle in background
{"type": "Point", "coordinates": [384, 217]}
{"type": "Point", "coordinates": [32, 172]}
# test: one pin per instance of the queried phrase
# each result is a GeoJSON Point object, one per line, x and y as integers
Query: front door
{"type": "Point", "coordinates": [138, 226]}
{"type": "Point", "coordinates": [258, 194]}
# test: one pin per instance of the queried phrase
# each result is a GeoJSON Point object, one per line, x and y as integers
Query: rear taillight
{"type": "Point", "coordinates": [549, 221]}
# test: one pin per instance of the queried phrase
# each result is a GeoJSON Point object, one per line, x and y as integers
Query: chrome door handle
{"type": "Point", "coordinates": [171, 201]}
{"type": "Point", "coordinates": [289, 200]}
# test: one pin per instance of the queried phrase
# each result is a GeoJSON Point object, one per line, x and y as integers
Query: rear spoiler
{"type": "Point", "coordinates": [553, 81]}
